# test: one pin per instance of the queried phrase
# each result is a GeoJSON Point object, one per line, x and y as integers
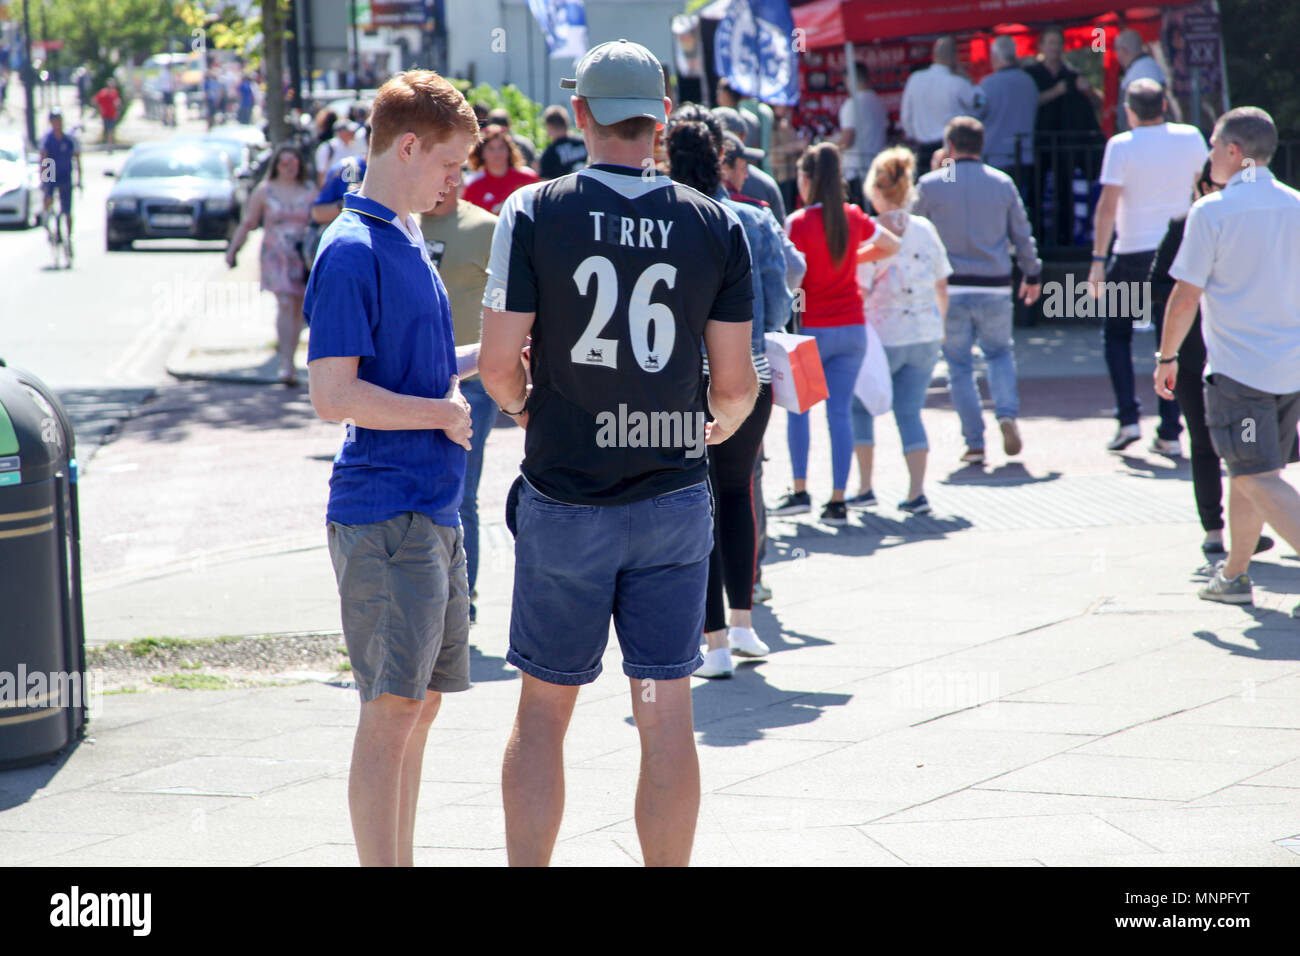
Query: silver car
{"type": "Point", "coordinates": [20, 182]}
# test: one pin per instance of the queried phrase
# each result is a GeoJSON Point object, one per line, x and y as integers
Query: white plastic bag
{"type": "Point", "coordinates": [874, 387]}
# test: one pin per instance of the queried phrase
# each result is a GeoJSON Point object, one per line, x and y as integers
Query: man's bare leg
{"type": "Point", "coordinates": [532, 775]}
{"type": "Point", "coordinates": [412, 763]}
{"type": "Point", "coordinates": [1277, 502]}
{"type": "Point", "coordinates": [375, 781]}
{"type": "Point", "coordinates": [668, 792]}
{"type": "Point", "coordinates": [1245, 522]}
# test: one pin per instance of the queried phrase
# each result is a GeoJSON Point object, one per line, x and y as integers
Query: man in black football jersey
{"type": "Point", "coordinates": [623, 279]}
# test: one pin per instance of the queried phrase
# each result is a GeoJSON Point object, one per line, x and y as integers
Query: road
{"type": "Point", "coordinates": [97, 333]}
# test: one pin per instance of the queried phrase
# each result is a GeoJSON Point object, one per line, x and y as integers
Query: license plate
{"type": "Point", "coordinates": [171, 220]}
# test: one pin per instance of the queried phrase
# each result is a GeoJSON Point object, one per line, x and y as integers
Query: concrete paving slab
{"type": "Point", "coordinates": [1250, 745]}
{"type": "Point", "coordinates": [1245, 711]}
{"type": "Point", "coordinates": [1238, 856]}
{"type": "Point", "coordinates": [100, 812]}
{"type": "Point", "coordinates": [1153, 777]}
{"type": "Point", "coordinates": [1246, 794]}
{"type": "Point", "coordinates": [982, 841]}
{"type": "Point", "coordinates": [1216, 828]}
{"type": "Point", "coordinates": [19, 846]}
{"type": "Point", "coordinates": [985, 803]}
{"type": "Point", "coordinates": [1287, 775]}
{"type": "Point", "coordinates": [222, 776]}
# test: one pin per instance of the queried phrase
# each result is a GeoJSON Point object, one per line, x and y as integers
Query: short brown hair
{"type": "Point", "coordinates": [419, 102]}
{"type": "Point", "coordinates": [631, 129]}
{"type": "Point", "coordinates": [489, 134]}
{"type": "Point", "coordinates": [1146, 98]}
{"type": "Point", "coordinates": [965, 134]}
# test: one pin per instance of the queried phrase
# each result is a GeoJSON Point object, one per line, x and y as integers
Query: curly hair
{"type": "Point", "coordinates": [692, 160]}
{"type": "Point", "coordinates": [891, 174]}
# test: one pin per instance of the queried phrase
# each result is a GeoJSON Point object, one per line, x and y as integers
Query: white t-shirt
{"type": "Point", "coordinates": [334, 150]}
{"type": "Point", "coordinates": [868, 135]}
{"type": "Point", "coordinates": [1240, 247]}
{"type": "Point", "coordinates": [898, 291]}
{"type": "Point", "coordinates": [1156, 167]}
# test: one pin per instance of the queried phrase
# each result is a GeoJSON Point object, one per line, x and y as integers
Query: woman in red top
{"type": "Point", "coordinates": [834, 237]}
{"type": "Point", "coordinates": [502, 170]}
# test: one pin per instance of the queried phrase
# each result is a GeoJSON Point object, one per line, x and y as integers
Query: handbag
{"type": "Point", "coordinates": [874, 387]}
{"type": "Point", "coordinates": [798, 382]}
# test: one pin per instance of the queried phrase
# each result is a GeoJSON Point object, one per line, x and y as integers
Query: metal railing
{"type": "Point", "coordinates": [1060, 188]}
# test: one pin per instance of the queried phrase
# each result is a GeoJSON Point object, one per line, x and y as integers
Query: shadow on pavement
{"type": "Point", "coordinates": [790, 540]}
{"type": "Point", "coordinates": [484, 667]}
{"type": "Point", "coordinates": [1274, 634]}
{"type": "Point", "coordinates": [749, 705]}
{"type": "Point", "coordinates": [18, 785]}
{"type": "Point", "coordinates": [171, 413]}
{"type": "Point", "coordinates": [1011, 474]}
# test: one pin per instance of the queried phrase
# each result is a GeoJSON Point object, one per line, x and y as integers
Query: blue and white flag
{"type": "Point", "coordinates": [563, 23]}
{"type": "Point", "coordinates": [754, 50]}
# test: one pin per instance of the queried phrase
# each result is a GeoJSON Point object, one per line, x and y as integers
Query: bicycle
{"type": "Point", "coordinates": [58, 230]}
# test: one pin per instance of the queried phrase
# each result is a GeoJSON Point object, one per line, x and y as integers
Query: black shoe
{"type": "Point", "coordinates": [917, 506]}
{"type": "Point", "coordinates": [473, 615]}
{"type": "Point", "coordinates": [795, 503]}
{"type": "Point", "coordinates": [865, 500]}
{"type": "Point", "coordinates": [1214, 550]}
{"type": "Point", "coordinates": [836, 513]}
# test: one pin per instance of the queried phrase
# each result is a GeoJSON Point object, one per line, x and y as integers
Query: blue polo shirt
{"type": "Point", "coordinates": [374, 293]}
{"type": "Point", "coordinates": [60, 149]}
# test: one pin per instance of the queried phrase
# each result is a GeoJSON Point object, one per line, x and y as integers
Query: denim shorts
{"type": "Point", "coordinates": [645, 564]}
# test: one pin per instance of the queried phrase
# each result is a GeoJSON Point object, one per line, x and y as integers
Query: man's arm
{"type": "Point", "coordinates": [1103, 230]}
{"type": "Point", "coordinates": [1022, 238]}
{"type": "Point", "coordinates": [467, 360]}
{"type": "Point", "coordinates": [500, 362]}
{"type": "Point", "coordinates": [733, 384]}
{"type": "Point", "coordinates": [326, 212]}
{"type": "Point", "coordinates": [1180, 312]}
{"type": "Point", "coordinates": [338, 395]}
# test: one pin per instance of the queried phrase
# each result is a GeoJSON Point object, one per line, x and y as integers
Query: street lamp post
{"type": "Point", "coordinates": [28, 78]}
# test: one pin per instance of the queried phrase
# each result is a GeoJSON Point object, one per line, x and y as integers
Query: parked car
{"type": "Point", "coordinates": [20, 182]}
{"type": "Point", "coordinates": [181, 189]}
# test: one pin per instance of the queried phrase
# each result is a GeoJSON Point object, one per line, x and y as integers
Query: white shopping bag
{"type": "Point", "coordinates": [874, 387]}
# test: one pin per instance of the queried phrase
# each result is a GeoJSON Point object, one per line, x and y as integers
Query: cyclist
{"type": "Point", "coordinates": [60, 154]}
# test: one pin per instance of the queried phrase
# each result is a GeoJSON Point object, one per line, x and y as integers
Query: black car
{"type": "Point", "coordinates": [183, 189]}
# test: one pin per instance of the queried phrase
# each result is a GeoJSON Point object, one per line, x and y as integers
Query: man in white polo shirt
{"type": "Point", "coordinates": [1238, 261]}
{"type": "Point", "coordinates": [933, 96]}
{"type": "Point", "coordinates": [1147, 177]}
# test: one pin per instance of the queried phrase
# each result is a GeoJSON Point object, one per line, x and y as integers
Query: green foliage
{"type": "Point", "coordinates": [192, 681]}
{"type": "Point", "coordinates": [525, 114]}
{"type": "Point", "coordinates": [101, 35]}
{"type": "Point", "coordinates": [1261, 37]}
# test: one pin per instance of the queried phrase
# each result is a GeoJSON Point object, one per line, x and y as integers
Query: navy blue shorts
{"type": "Point", "coordinates": [646, 564]}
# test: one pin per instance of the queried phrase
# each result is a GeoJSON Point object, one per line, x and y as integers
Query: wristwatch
{"type": "Point", "coordinates": [1166, 361]}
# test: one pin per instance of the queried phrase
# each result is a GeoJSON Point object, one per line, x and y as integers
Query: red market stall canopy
{"type": "Point", "coordinates": [829, 23]}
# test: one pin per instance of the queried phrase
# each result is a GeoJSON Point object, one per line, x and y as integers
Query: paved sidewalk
{"type": "Point", "coordinates": [1025, 677]}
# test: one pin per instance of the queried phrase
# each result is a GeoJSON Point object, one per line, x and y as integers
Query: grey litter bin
{"type": "Point", "coordinates": [43, 692]}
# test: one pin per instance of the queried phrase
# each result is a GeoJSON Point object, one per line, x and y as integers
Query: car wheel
{"type": "Point", "coordinates": [122, 246]}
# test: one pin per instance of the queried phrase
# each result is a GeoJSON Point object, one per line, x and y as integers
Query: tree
{"type": "Point", "coordinates": [102, 34]}
{"type": "Point", "coordinates": [1261, 37]}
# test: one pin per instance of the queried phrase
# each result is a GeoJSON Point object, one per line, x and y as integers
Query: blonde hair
{"type": "Point", "coordinates": [891, 175]}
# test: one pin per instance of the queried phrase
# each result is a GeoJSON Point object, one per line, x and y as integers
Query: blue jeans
{"type": "Point", "coordinates": [841, 348]}
{"type": "Point", "coordinates": [986, 317]}
{"type": "Point", "coordinates": [482, 413]}
{"type": "Point", "coordinates": [910, 370]}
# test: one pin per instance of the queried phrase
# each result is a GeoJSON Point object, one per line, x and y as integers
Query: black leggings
{"type": "Point", "coordinates": [1207, 479]}
{"type": "Point", "coordinates": [735, 532]}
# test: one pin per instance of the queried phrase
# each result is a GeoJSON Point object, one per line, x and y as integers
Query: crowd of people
{"type": "Point", "coordinates": [638, 264]}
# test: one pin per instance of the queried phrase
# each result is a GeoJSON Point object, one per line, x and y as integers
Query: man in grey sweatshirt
{"type": "Point", "coordinates": [979, 215]}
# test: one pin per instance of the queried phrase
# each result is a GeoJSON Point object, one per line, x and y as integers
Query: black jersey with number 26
{"type": "Point", "coordinates": [623, 269]}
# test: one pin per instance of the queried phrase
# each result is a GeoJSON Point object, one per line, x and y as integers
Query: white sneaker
{"type": "Point", "coordinates": [1169, 447]}
{"type": "Point", "coordinates": [1125, 436]}
{"type": "Point", "coordinates": [716, 664]}
{"type": "Point", "coordinates": [745, 642]}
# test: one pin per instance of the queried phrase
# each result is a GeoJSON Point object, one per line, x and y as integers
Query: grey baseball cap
{"type": "Point", "coordinates": [730, 120]}
{"type": "Point", "coordinates": [619, 80]}
{"type": "Point", "coordinates": [734, 148]}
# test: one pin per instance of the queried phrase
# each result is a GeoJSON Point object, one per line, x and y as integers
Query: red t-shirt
{"type": "Point", "coordinates": [108, 101]}
{"type": "Point", "coordinates": [831, 292]}
{"type": "Point", "coordinates": [489, 192]}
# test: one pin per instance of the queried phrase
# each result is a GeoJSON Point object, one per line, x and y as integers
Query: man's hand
{"type": "Point", "coordinates": [1081, 84]}
{"type": "Point", "coordinates": [1029, 292]}
{"type": "Point", "coordinates": [460, 428]}
{"type": "Point", "coordinates": [715, 434]}
{"type": "Point", "coordinates": [1096, 276]}
{"type": "Point", "coordinates": [1166, 376]}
